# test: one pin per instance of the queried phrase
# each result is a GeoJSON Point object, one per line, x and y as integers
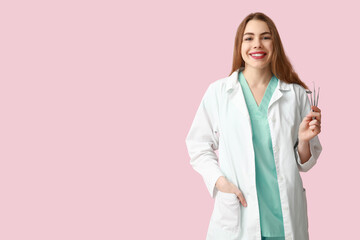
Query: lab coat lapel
{"type": "Point", "coordinates": [278, 93]}
{"type": "Point", "coordinates": [276, 96]}
{"type": "Point", "coordinates": [236, 94]}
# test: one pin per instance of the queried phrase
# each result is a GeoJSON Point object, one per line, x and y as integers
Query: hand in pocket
{"type": "Point", "coordinates": [223, 185]}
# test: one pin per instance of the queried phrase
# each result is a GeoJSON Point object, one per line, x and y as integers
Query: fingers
{"type": "Point", "coordinates": [315, 108]}
{"type": "Point", "coordinates": [314, 123]}
{"type": "Point", "coordinates": [315, 126]}
{"type": "Point", "coordinates": [228, 186]}
{"type": "Point", "coordinates": [312, 114]}
{"type": "Point", "coordinates": [241, 198]}
{"type": "Point", "coordinates": [315, 129]}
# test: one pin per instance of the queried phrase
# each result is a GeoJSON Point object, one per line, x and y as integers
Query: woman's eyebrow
{"type": "Point", "coordinates": [250, 33]}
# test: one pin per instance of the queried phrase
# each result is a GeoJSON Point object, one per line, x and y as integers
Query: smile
{"type": "Point", "coordinates": [258, 55]}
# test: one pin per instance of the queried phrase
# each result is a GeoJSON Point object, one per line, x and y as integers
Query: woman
{"type": "Point", "coordinates": [260, 120]}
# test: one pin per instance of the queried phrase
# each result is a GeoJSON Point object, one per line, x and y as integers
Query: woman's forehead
{"type": "Point", "coordinates": [256, 27]}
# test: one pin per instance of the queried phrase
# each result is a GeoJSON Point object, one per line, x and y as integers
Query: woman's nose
{"type": "Point", "coordinates": [257, 43]}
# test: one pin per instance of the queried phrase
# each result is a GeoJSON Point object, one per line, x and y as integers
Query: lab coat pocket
{"type": "Point", "coordinates": [227, 212]}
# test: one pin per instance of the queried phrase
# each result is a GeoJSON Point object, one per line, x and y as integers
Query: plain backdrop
{"type": "Point", "coordinates": [97, 97]}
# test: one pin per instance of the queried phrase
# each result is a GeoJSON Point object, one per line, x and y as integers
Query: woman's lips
{"type": "Point", "coordinates": [258, 56]}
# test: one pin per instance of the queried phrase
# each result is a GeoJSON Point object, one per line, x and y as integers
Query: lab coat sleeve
{"type": "Point", "coordinates": [315, 146]}
{"type": "Point", "coordinates": [203, 139]}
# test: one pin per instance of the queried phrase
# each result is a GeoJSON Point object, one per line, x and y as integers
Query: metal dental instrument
{"type": "Point", "coordinates": [314, 100]}
{"type": "Point", "coordinates": [317, 98]}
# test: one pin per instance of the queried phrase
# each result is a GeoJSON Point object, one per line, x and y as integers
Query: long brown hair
{"type": "Point", "coordinates": [280, 64]}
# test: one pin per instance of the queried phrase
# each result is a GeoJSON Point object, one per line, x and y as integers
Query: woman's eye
{"type": "Point", "coordinates": [249, 38]}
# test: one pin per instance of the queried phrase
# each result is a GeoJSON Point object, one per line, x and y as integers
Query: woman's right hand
{"type": "Point", "coordinates": [223, 185]}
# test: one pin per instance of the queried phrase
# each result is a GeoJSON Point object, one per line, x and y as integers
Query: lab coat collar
{"type": "Point", "coordinates": [233, 82]}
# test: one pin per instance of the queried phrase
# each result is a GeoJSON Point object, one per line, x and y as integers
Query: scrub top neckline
{"type": "Point", "coordinates": [267, 95]}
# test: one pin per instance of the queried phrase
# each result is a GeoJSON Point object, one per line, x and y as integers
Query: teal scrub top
{"type": "Point", "coordinates": [271, 219]}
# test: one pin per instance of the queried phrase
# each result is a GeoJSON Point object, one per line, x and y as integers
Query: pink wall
{"type": "Point", "coordinates": [96, 99]}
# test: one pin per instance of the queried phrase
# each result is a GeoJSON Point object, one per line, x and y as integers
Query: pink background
{"type": "Point", "coordinates": [96, 99]}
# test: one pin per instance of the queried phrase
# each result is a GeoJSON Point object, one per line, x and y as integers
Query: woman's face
{"type": "Point", "coordinates": [257, 39]}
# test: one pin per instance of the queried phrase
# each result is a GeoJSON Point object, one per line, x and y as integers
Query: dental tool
{"type": "Point", "coordinates": [314, 100]}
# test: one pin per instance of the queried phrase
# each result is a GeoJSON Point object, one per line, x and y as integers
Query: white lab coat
{"type": "Point", "coordinates": [222, 123]}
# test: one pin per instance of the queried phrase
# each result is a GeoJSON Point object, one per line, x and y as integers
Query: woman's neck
{"type": "Point", "coordinates": [257, 77]}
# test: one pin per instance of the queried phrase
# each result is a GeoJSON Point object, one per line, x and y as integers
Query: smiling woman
{"type": "Point", "coordinates": [263, 38]}
{"type": "Point", "coordinates": [257, 28]}
{"type": "Point", "coordinates": [261, 121]}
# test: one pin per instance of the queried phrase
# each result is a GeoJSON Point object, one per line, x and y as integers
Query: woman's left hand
{"type": "Point", "coordinates": [309, 128]}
